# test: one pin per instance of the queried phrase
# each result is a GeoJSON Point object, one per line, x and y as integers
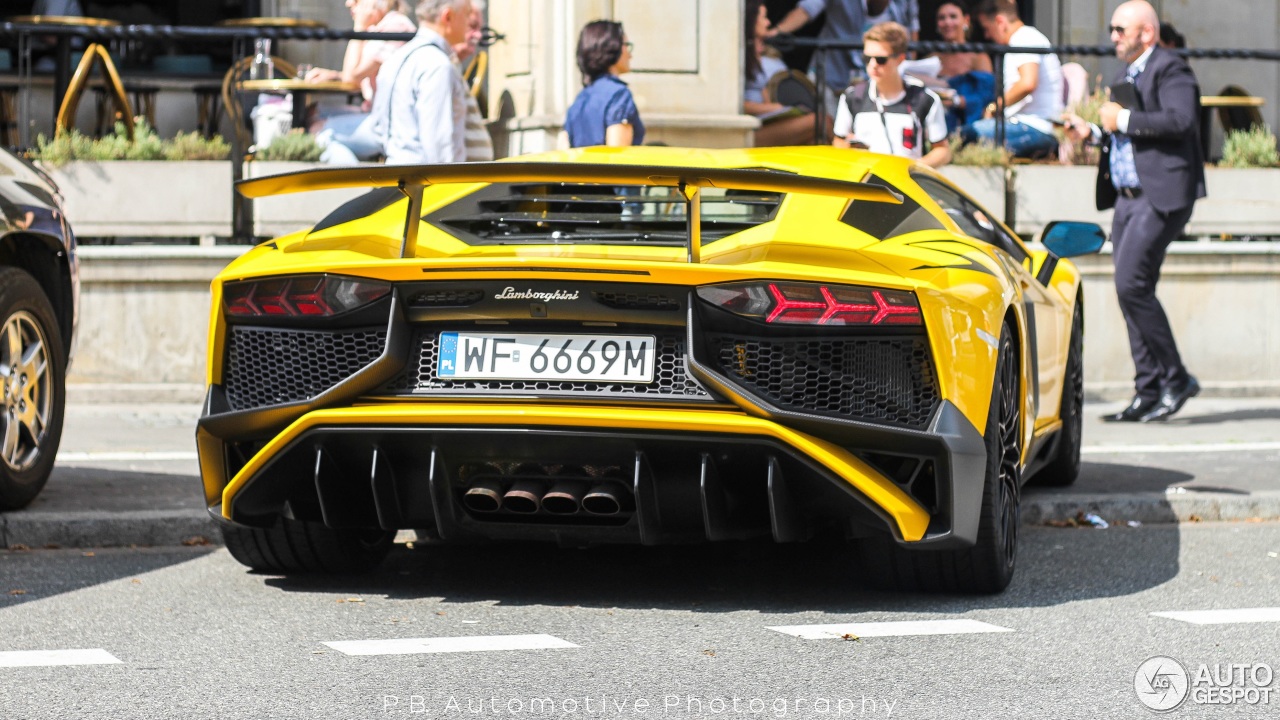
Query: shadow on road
{"type": "Point", "coordinates": [38, 574]}
{"type": "Point", "coordinates": [1227, 417]}
{"type": "Point", "coordinates": [1054, 566]}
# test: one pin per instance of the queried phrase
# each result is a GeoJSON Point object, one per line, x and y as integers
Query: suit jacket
{"type": "Point", "coordinates": [1165, 132]}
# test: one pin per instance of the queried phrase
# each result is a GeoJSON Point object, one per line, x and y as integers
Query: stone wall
{"type": "Point", "coordinates": [686, 70]}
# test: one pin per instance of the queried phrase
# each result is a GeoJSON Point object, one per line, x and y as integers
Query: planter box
{"type": "Point", "coordinates": [146, 198]}
{"type": "Point", "coordinates": [1056, 192]}
{"type": "Point", "coordinates": [1240, 202]}
{"type": "Point", "coordinates": [283, 214]}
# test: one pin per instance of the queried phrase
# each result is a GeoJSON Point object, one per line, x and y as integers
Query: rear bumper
{"type": "Point", "coordinates": [683, 474]}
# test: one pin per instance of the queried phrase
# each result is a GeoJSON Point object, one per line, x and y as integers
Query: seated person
{"type": "Point", "coordinates": [780, 124]}
{"type": "Point", "coordinates": [336, 127]}
{"type": "Point", "coordinates": [967, 74]}
{"type": "Point", "coordinates": [1032, 85]}
{"type": "Point", "coordinates": [888, 114]}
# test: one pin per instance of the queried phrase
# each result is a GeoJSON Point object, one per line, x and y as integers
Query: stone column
{"type": "Point", "coordinates": [686, 71]}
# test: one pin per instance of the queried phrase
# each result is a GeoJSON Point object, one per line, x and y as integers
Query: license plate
{"type": "Point", "coordinates": [509, 356]}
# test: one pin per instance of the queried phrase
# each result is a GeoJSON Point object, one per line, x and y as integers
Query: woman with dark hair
{"type": "Point", "coordinates": [779, 124]}
{"type": "Point", "coordinates": [604, 113]}
{"type": "Point", "coordinates": [967, 73]}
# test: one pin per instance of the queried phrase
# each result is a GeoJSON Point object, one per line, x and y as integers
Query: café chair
{"type": "Point", "coordinates": [9, 114]}
{"type": "Point", "coordinates": [234, 102]}
{"type": "Point", "coordinates": [143, 100]}
{"type": "Point", "coordinates": [94, 54]}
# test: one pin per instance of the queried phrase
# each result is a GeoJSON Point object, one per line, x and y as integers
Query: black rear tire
{"type": "Point", "coordinates": [301, 546]}
{"type": "Point", "coordinates": [1064, 468]}
{"type": "Point", "coordinates": [988, 566]}
{"type": "Point", "coordinates": [32, 392]}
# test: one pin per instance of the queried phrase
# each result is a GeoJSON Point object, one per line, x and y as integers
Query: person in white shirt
{"type": "Point", "coordinates": [420, 110]}
{"type": "Point", "coordinates": [891, 115]}
{"type": "Point", "coordinates": [1032, 85]}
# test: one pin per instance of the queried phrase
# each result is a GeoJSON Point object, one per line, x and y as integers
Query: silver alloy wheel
{"type": "Point", "coordinates": [27, 391]}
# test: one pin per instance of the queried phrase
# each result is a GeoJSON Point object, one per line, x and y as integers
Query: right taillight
{"type": "Point", "coordinates": [301, 296]}
{"type": "Point", "coordinates": [794, 303]}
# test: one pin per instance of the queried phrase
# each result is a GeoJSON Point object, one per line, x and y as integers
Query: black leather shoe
{"type": "Point", "coordinates": [1172, 400]}
{"type": "Point", "coordinates": [1138, 408]}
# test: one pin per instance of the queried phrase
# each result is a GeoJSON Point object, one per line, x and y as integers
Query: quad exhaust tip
{"type": "Point", "coordinates": [524, 497]}
{"type": "Point", "coordinates": [564, 498]}
{"type": "Point", "coordinates": [602, 500]}
{"type": "Point", "coordinates": [525, 491]}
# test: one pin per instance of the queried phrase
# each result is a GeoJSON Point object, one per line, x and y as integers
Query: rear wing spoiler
{"type": "Point", "coordinates": [413, 179]}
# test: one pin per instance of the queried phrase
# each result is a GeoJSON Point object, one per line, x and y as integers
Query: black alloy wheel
{"type": "Point", "coordinates": [988, 566]}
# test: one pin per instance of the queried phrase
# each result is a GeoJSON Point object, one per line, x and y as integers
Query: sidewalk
{"type": "Point", "coordinates": [128, 475]}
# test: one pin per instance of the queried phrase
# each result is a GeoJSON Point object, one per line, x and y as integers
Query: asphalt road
{"type": "Point", "coordinates": [635, 632]}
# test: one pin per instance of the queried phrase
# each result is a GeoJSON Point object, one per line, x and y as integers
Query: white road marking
{"type": "Point", "coordinates": [125, 456]}
{"type": "Point", "coordinates": [1179, 449]}
{"type": "Point", "coordinates": [414, 646]}
{"type": "Point", "coordinates": [1223, 617]}
{"type": "Point", "coordinates": [889, 629]}
{"type": "Point", "coordinates": [47, 658]}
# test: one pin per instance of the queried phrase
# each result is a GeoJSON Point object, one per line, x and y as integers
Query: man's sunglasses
{"type": "Point", "coordinates": [879, 59]}
{"type": "Point", "coordinates": [1116, 29]}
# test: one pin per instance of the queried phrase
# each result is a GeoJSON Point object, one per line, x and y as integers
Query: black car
{"type": "Point", "coordinates": [39, 297]}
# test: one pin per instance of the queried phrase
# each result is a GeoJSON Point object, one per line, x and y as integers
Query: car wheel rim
{"type": "Point", "coordinates": [1010, 451]}
{"type": "Point", "coordinates": [1075, 376]}
{"type": "Point", "coordinates": [26, 380]}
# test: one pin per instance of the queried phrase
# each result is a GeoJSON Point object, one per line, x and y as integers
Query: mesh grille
{"type": "Point", "coordinates": [637, 301]}
{"type": "Point", "coordinates": [669, 378]}
{"type": "Point", "coordinates": [887, 380]}
{"type": "Point", "coordinates": [267, 366]}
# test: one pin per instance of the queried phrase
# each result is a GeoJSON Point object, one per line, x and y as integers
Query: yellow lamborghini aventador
{"type": "Point", "coordinates": [644, 345]}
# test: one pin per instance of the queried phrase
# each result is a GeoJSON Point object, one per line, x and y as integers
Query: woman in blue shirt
{"type": "Point", "coordinates": [604, 113]}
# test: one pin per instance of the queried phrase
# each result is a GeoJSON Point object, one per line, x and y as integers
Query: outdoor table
{"type": "Point", "coordinates": [1207, 105]}
{"type": "Point", "coordinates": [300, 89]}
{"type": "Point", "coordinates": [272, 22]}
{"type": "Point", "coordinates": [62, 50]}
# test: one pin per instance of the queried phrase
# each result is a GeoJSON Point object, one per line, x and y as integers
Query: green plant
{"type": "Point", "coordinates": [979, 154]}
{"type": "Point", "coordinates": [1089, 108]}
{"type": "Point", "coordinates": [294, 145]}
{"type": "Point", "coordinates": [146, 145]}
{"type": "Point", "coordinates": [1252, 148]}
{"type": "Point", "coordinates": [194, 146]}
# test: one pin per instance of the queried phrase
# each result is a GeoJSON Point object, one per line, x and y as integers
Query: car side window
{"type": "Point", "coordinates": [973, 220]}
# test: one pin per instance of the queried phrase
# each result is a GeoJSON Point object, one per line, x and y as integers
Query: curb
{"type": "Point", "coordinates": [1151, 508]}
{"type": "Point", "coordinates": [165, 528]}
{"type": "Point", "coordinates": [95, 529]}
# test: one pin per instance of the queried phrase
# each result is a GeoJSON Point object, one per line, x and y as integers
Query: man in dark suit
{"type": "Point", "coordinates": [1151, 172]}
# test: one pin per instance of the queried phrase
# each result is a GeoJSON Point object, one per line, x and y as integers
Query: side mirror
{"type": "Point", "coordinates": [1069, 239]}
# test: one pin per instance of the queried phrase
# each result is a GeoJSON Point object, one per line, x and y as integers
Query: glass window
{"type": "Point", "coordinates": [973, 220]}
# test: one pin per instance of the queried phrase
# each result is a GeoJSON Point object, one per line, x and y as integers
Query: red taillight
{"type": "Point", "coordinates": [302, 296]}
{"type": "Point", "coordinates": [814, 304]}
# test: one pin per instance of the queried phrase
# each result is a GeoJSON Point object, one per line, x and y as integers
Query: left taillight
{"type": "Point", "coordinates": [300, 296]}
{"type": "Point", "coordinates": [792, 303]}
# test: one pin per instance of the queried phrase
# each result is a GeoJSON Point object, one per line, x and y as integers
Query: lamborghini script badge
{"type": "Point", "coordinates": [511, 293]}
